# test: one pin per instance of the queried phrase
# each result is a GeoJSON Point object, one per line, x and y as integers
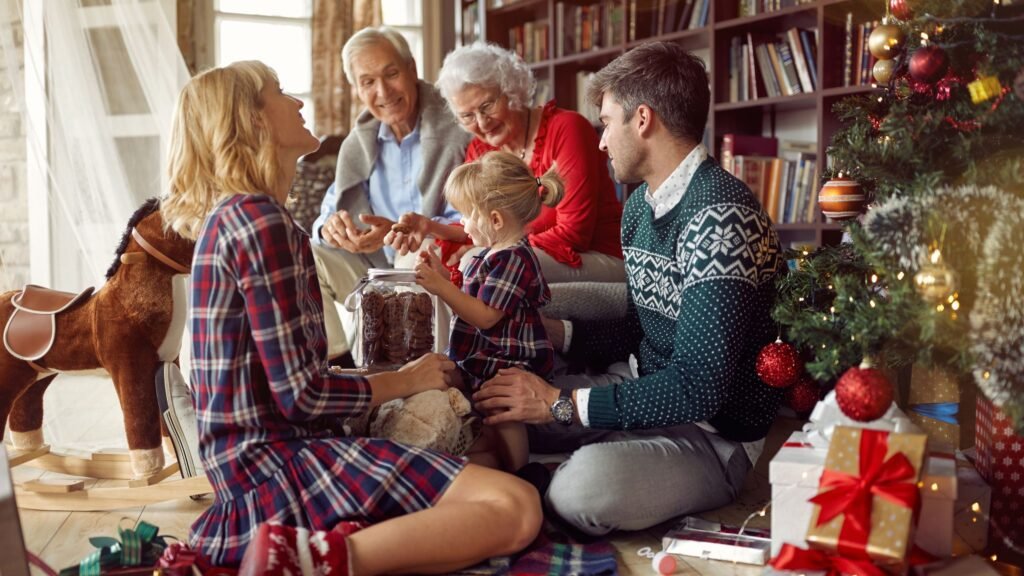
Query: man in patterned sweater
{"type": "Point", "coordinates": [675, 424]}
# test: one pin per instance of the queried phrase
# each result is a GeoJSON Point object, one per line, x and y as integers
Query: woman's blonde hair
{"type": "Point", "coordinates": [219, 144]}
{"type": "Point", "coordinates": [502, 181]}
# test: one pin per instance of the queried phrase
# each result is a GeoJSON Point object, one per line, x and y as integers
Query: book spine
{"type": "Point", "coordinates": [848, 51]}
{"type": "Point", "coordinates": [809, 43]}
{"type": "Point", "coordinates": [799, 60]}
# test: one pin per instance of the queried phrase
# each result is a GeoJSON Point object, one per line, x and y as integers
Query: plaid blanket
{"type": "Point", "coordinates": [553, 553]}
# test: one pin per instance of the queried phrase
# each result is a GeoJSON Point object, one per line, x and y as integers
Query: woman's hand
{"type": "Point", "coordinates": [408, 233]}
{"type": "Point", "coordinates": [428, 372]}
{"type": "Point", "coordinates": [516, 395]}
{"type": "Point", "coordinates": [430, 273]}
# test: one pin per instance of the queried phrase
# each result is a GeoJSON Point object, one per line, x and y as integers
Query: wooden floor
{"type": "Point", "coordinates": [62, 539]}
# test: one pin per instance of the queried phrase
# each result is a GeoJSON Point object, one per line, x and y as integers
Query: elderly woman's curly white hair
{"type": "Point", "coordinates": [487, 66]}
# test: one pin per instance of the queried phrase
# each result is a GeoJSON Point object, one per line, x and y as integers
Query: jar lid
{"type": "Point", "coordinates": [392, 274]}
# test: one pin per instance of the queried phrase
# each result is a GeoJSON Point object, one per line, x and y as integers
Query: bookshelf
{"type": "Point", "coordinates": [564, 40]}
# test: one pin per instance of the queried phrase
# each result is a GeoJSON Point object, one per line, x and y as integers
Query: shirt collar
{"type": "Point", "coordinates": [384, 133]}
{"type": "Point", "coordinates": [674, 187]}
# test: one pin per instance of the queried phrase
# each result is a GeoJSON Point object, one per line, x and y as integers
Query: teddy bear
{"type": "Point", "coordinates": [435, 419]}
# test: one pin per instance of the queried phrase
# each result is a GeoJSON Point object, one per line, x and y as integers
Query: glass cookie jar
{"type": "Point", "coordinates": [394, 319]}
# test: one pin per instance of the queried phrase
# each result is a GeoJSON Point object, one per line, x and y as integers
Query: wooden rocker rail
{"type": "Point", "coordinates": [64, 496]}
{"type": "Point", "coordinates": [112, 498]}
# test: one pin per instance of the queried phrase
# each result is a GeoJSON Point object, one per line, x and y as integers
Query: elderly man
{"type": "Point", "coordinates": [395, 160]}
{"type": "Point", "coordinates": [676, 424]}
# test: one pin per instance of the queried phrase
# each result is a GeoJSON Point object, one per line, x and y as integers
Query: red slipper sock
{"type": "Point", "coordinates": [277, 550]}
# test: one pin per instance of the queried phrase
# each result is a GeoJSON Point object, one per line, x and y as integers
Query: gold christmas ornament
{"type": "Point", "coordinates": [842, 198]}
{"type": "Point", "coordinates": [882, 71]}
{"type": "Point", "coordinates": [886, 41]}
{"type": "Point", "coordinates": [935, 280]}
{"type": "Point", "coordinates": [984, 88]}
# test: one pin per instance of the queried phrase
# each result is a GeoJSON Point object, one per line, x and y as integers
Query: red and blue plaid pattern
{"type": "Point", "coordinates": [265, 401]}
{"type": "Point", "coordinates": [508, 280]}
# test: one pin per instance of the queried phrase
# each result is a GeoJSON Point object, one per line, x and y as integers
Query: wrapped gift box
{"type": "Point", "coordinates": [895, 462]}
{"type": "Point", "coordinates": [795, 472]}
{"type": "Point", "coordinates": [932, 404]}
{"type": "Point", "coordinates": [1000, 461]}
{"type": "Point", "coordinates": [972, 507]}
{"type": "Point", "coordinates": [938, 489]}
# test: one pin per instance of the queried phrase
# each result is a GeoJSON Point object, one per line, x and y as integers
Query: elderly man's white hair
{"type": "Point", "coordinates": [370, 36]}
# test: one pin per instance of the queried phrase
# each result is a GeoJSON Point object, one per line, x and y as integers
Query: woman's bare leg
{"type": "Point", "coordinates": [483, 513]}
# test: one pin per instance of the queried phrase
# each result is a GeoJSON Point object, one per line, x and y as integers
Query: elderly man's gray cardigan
{"type": "Point", "coordinates": [443, 143]}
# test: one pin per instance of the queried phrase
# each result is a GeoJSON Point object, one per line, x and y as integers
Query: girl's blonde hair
{"type": "Point", "coordinates": [219, 144]}
{"type": "Point", "coordinates": [502, 181]}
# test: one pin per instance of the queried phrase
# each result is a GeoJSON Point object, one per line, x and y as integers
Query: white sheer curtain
{"type": "Point", "coordinates": [97, 91]}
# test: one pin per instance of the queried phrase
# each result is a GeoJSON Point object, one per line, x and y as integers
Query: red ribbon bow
{"type": "Point", "coordinates": [853, 495]}
{"type": "Point", "coordinates": [792, 558]}
{"type": "Point", "coordinates": [178, 558]}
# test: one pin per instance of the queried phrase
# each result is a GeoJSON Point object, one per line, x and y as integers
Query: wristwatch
{"type": "Point", "coordinates": [563, 409]}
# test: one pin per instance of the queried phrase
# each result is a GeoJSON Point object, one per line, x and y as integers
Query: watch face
{"type": "Point", "coordinates": [562, 410]}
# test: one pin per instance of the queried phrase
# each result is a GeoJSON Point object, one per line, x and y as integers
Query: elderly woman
{"type": "Point", "coordinates": [489, 89]}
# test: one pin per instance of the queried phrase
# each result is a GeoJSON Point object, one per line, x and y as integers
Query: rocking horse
{"type": "Point", "coordinates": [127, 328]}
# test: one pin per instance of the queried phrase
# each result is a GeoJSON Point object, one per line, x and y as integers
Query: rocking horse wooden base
{"type": "Point", "coordinates": [74, 497]}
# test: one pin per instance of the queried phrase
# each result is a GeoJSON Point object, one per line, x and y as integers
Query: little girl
{"type": "Point", "coordinates": [496, 319]}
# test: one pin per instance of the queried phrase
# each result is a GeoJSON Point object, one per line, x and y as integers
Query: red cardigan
{"type": "Point", "coordinates": [589, 216]}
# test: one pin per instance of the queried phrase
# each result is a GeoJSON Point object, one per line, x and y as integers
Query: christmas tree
{"type": "Point", "coordinates": [933, 273]}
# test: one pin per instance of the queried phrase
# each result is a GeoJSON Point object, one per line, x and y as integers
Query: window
{"type": "Point", "coordinates": [277, 32]}
{"type": "Point", "coordinates": [274, 31]}
{"type": "Point", "coordinates": [406, 16]}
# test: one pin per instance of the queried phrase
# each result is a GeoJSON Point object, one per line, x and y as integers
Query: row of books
{"type": "Point", "coordinates": [530, 41]}
{"type": "Point", "coordinates": [588, 110]}
{"type": "Point", "coordinates": [470, 23]}
{"type": "Point", "coordinates": [762, 65]}
{"type": "Point", "coordinates": [754, 7]}
{"type": "Point", "coordinates": [784, 183]}
{"type": "Point", "coordinates": [656, 17]}
{"type": "Point", "coordinates": [589, 27]}
{"type": "Point", "coordinates": [857, 59]}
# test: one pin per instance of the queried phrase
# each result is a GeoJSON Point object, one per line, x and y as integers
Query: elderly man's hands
{"type": "Point", "coordinates": [408, 233]}
{"type": "Point", "coordinates": [516, 395]}
{"type": "Point", "coordinates": [340, 231]}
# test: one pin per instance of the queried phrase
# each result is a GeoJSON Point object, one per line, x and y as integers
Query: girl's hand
{"type": "Point", "coordinates": [428, 372]}
{"type": "Point", "coordinates": [430, 273]}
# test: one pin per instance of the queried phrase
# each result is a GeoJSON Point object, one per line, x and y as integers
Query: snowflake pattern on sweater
{"type": "Point", "coordinates": [701, 286]}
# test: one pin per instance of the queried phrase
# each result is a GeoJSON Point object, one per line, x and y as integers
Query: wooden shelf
{"type": "Point", "coordinates": [752, 117]}
{"type": "Point", "coordinates": [792, 102]}
{"type": "Point", "coordinates": [842, 91]}
{"type": "Point", "coordinates": [772, 16]}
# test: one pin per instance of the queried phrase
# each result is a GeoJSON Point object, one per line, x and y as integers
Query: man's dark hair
{"type": "Point", "coordinates": [665, 77]}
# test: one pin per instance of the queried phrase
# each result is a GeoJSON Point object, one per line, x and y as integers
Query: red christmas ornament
{"type": "Point", "coordinates": [803, 395]}
{"type": "Point", "coordinates": [929, 64]}
{"type": "Point", "coordinates": [900, 9]}
{"type": "Point", "coordinates": [779, 364]}
{"type": "Point", "coordinates": [864, 394]}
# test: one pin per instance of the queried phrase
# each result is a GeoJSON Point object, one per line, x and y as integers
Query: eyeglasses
{"type": "Point", "coordinates": [485, 110]}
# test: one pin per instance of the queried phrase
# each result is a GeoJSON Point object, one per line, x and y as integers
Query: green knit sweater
{"type": "Point", "coordinates": [701, 287]}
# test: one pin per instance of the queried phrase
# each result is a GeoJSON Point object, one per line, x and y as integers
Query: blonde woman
{"type": "Point", "coordinates": [263, 394]}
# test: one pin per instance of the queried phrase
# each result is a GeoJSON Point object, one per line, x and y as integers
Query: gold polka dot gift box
{"type": "Point", "coordinates": [867, 495]}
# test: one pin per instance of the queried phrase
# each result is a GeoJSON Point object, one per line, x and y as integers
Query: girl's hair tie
{"type": "Point", "coordinates": [540, 188]}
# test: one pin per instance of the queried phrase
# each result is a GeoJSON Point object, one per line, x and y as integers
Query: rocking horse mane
{"type": "Point", "coordinates": [150, 206]}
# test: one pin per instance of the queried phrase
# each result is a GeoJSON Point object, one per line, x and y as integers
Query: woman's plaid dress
{"type": "Point", "coordinates": [264, 399]}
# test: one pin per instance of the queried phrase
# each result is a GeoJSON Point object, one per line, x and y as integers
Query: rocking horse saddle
{"type": "Point", "coordinates": [30, 331]}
